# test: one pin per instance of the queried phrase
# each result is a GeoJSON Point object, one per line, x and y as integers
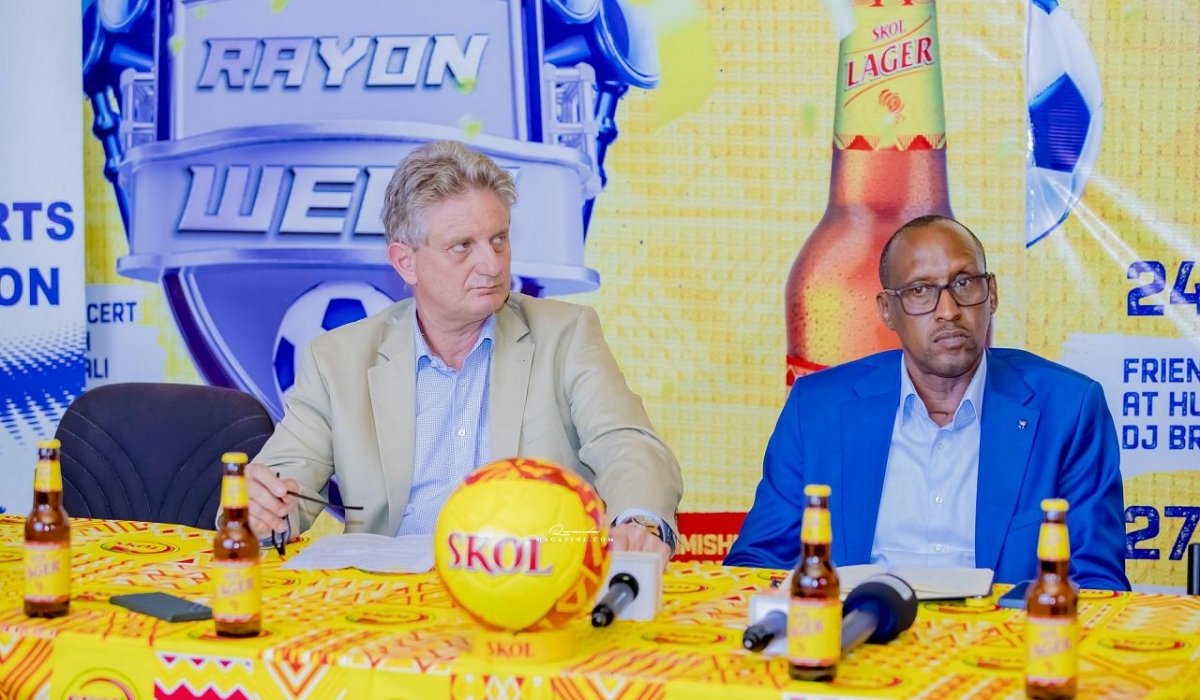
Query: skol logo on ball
{"type": "Point", "coordinates": [253, 142]}
{"type": "Point", "coordinates": [495, 557]}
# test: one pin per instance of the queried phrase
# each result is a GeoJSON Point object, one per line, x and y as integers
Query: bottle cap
{"type": "Point", "coordinates": [820, 490]}
{"type": "Point", "coordinates": [235, 457]}
{"type": "Point", "coordinates": [1055, 505]}
{"type": "Point", "coordinates": [49, 445]}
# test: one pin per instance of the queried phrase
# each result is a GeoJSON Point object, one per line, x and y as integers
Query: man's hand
{"type": "Point", "coordinates": [269, 500]}
{"type": "Point", "coordinates": [631, 537]}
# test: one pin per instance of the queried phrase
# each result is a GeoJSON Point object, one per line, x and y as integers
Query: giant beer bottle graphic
{"type": "Point", "coordinates": [889, 166]}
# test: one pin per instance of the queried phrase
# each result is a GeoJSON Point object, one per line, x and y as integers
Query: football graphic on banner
{"type": "Point", "coordinates": [1066, 116]}
{"type": "Point", "coordinates": [520, 545]}
{"type": "Point", "coordinates": [324, 307]}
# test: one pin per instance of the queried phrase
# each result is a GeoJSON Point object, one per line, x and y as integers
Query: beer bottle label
{"type": "Point", "coordinates": [237, 590]}
{"type": "Point", "coordinates": [233, 492]}
{"type": "Point", "coordinates": [1054, 544]}
{"type": "Point", "coordinates": [815, 528]}
{"type": "Point", "coordinates": [47, 572]}
{"type": "Point", "coordinates": [889, 94]}
{"type": "Point", "coordinates": [1052, 646]}
{"type": "Point", "coordinates": [815, 631]}
{"type": "Point", "coordinates": [47, 477]}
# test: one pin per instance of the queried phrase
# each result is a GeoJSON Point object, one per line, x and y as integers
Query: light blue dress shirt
{"type": "Point", "coordinates": [453, 426]}
{"type": "Point", "coordinates": [927, 511]}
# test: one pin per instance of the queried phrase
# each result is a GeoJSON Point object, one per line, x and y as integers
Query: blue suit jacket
{"type": "Point", "coordinates": [1046, 433]}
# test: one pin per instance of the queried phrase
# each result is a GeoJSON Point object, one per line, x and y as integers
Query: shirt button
{"type": "Point", "coordinates": [937, 548]}
{"type": "Point", "coordinates": [941, 447]}
{"type": "Point", "coordinates": [938, 500]}
{"type": "Point", "coordinates": [462, 432]}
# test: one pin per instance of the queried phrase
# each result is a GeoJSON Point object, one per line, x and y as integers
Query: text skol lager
{"type": "Point", "coordinates": [815, 610]}
{"type": "Point", "coordinates": [47, 540]}
{"type": "Point", "coordinates": [889, 167]}
{"type": "Point", "coordinates": [1051, 628]}
{"type": "Point", "coordinates": [236, 576]}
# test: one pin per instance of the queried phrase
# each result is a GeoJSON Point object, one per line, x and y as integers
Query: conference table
{"type": "Point", "coordinates": [356, 635]}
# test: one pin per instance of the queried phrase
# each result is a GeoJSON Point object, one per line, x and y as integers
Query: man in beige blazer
{"type": "Point", "coordinates": [551, 388]}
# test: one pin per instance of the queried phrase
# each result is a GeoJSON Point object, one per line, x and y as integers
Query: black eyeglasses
{"type": "Point", "coordinates": [279, 539]}
{"type": "Point", "coordinates": [922, 297]}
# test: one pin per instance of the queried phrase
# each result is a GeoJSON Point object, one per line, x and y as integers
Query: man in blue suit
{"type": "Point", "coordinates": [940, 454]}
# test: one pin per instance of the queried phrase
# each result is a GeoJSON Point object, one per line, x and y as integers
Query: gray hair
{"type": "Point", "coordinates": [432, 173]}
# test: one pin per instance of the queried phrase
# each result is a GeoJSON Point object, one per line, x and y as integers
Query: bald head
{"type": "Point", "coordinates": [922, 222]}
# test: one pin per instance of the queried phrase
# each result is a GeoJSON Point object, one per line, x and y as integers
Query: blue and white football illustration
{"type": "Point", "coordinates": [1066, 117]}
{"type": "Point", "coordinates": [326, 306]}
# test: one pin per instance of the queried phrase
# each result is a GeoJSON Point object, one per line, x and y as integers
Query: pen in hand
{"type": "Point", "coordinates": [324, 503]}
{"type": "Point", "coordinates": [317, 500]}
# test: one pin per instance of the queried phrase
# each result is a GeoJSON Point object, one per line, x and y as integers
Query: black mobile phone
{"type": "Point", "coordinates": [1015, 598]}
{"type": "Point", "coordinates": [164, 606]}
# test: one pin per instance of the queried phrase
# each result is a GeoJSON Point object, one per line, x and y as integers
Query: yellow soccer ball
{"type": "Point", "coordinates": [520, 545]}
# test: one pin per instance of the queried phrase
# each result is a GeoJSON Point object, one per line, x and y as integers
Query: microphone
{"type": "Point", "coordinates": [877, 611]}
{"type": "Point", "coordinates": [759, 635]}
{"type": "Point", "coordinates": [1193, 569]}
{"type": "Point", "coordinates": [622, 589]}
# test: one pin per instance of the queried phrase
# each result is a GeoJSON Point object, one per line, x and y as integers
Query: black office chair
{"type": "Point", "coordinates": [152, 452]}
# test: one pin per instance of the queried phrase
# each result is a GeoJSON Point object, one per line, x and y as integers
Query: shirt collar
{"type": "Point", "coordinates": [969, 407]}
{"type": "Point", "coordinates": [421, 347]}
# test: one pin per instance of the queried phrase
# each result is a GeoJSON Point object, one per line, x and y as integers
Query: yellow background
{"type": "Point", "coordinates": [721, 172]}
{"type": "Point", "coordinates": [704, 214]}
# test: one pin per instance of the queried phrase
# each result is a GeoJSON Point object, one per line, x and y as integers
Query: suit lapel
{"type": "Point", "coordinates": [866, 441]}
{"type": "Point", "coordinates": [1006, 439]}
{"type": "Point", "coordinates": [392, 384]}
{"type": "Point", "coordinates": [512, 360]}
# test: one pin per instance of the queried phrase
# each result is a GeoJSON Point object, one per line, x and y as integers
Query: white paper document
{"type": "Point", "coordinates": [928, 582]}
{"type": "Point", "coordinates": [409, 554]}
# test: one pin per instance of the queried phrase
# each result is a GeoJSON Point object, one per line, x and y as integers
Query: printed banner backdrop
{"type": "Point", "coordinates": [41, 242]}
{"type": "Point", "coordinates": [672, 158]}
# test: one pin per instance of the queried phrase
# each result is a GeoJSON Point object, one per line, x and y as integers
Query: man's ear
{"type": "Point", "coordinates": [404, 261]}
{"type": "Point", "coordinates": [885, 310]}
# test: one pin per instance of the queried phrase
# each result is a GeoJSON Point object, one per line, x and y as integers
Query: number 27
{"type": "Point", "coordinates": [1190, 514]}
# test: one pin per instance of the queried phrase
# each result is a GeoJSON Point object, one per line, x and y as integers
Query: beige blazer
{"type": "Point", "coordinates": [556, 393]}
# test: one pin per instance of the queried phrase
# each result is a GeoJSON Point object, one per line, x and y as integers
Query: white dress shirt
{"type": "Point", "coordinates": [927, 511]}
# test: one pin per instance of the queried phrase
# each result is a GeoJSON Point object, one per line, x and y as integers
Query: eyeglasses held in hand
{"type": "Point", "coordinates": [923, 297]}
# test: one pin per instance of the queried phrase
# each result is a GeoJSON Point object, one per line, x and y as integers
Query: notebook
{"type": "Point", "coordinates": [928, 582]}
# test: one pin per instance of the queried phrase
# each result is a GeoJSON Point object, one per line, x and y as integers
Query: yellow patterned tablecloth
{"type": "Point", "coordinates": [347, 634]}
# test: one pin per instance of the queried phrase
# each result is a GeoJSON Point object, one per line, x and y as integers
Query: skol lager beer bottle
{"type": "Point", "coordinates": [889, 167]}
{"type": "Point", "coordinates": [237, 584]}
{"type": "Point", "coordinates": [47, 540]}
{"type": "Point", "coordinates": [815, 610]}
{"type": "Point", "coordinates": [1051, 630]}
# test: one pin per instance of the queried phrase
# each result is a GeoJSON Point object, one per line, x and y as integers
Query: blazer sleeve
{"type": "Point", "coordinates": [301, 447]}
{"type": "Point", "coordinates": [770, 535]}
{"type": "Point", "coordinates": [1091, 481]}
{"type": "Point", "coordinates": [634, 468]}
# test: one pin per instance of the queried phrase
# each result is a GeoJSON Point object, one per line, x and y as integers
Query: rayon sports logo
{"type": "Point", "coordinates": [250, 143]}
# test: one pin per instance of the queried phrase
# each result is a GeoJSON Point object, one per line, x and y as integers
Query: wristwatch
{"type": "Point", "coordinates": [652, 526]}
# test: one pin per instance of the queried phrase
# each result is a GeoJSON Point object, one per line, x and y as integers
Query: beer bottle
{"type": "Point", "coordinates": [889, 167]}
{"type": "Point", "coordinates": [237, 584]}
{"type": "Point", "coordinates": [47, 540]}
{"type": "Point", "coordinates": [1051, 630]}
{"type": "Point", "coordinates": [815, 611]}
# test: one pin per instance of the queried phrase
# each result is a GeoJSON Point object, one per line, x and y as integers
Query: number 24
{"type": "Point", "coordinates": [1190, 514]}
{"type": "Point", "coordinates": [1154, 268]}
